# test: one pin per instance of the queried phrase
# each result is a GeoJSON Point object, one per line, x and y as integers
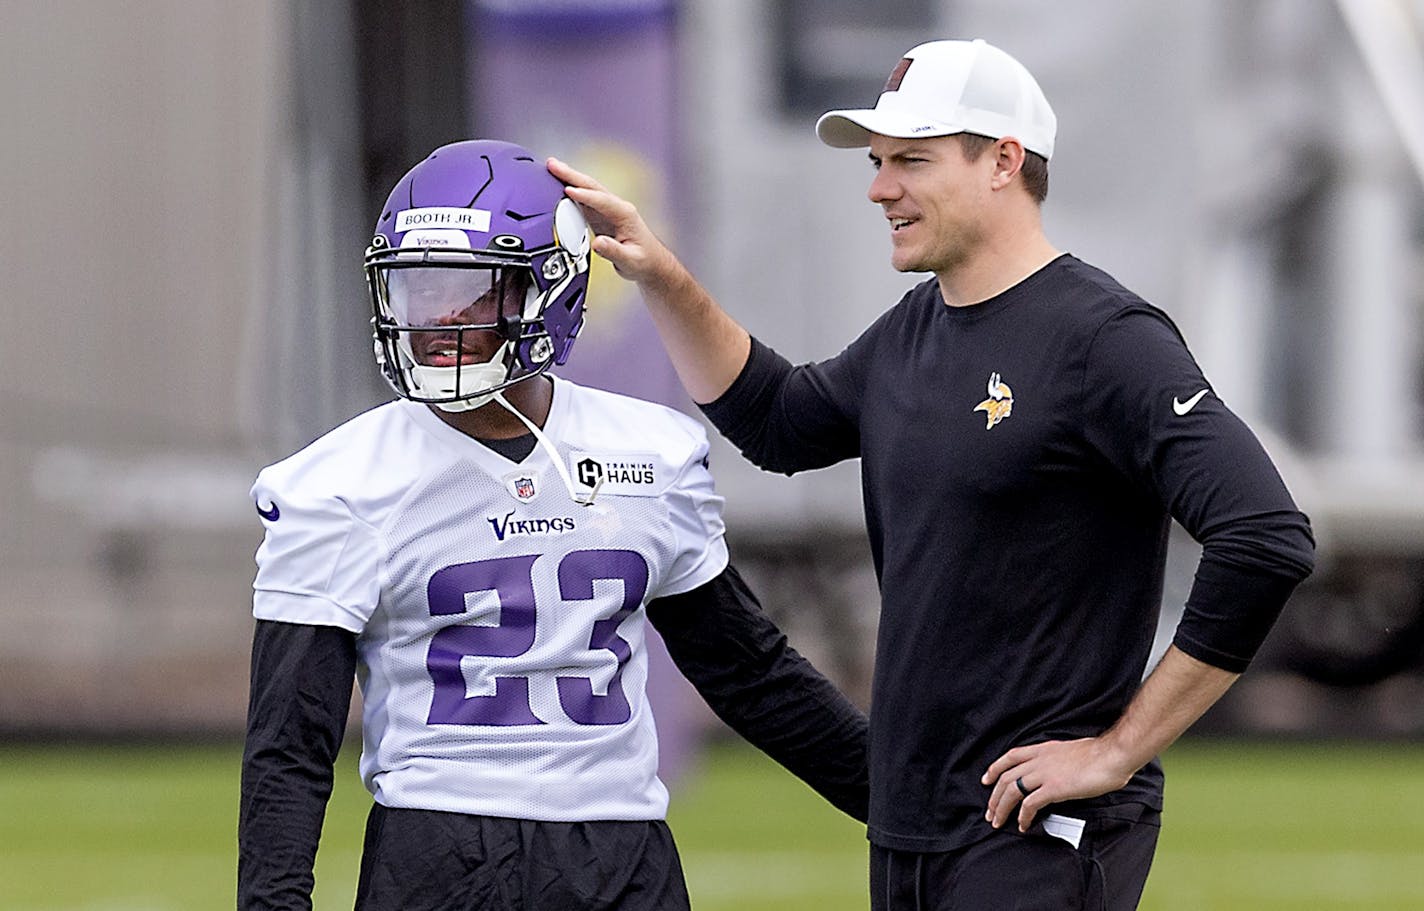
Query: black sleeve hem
{"type": "Point", "coordinates": [742, 665]}
{"type": "Point", "coordinates": [1229, 613]}
{"type": "Point", "coordinates": [762, 366]}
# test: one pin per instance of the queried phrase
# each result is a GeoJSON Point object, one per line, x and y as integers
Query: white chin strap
{"type": "Point", "coordinates": [581, 499]}
{"type": "Point", "coordinates": [443, 380]}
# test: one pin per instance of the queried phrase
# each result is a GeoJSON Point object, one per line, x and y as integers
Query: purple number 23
{"type": "Point", "coordinates": [512, 581]}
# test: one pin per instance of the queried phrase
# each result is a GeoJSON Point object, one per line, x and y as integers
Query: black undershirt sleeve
{"type": "Point", "coordinates": [742, 665]}
{"type": "Point", "coordinates": [299, 699]}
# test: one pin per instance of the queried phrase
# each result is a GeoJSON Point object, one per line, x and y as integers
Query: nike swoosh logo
{"type": "Point", "coordinates": [1182, 407]}
{"type": "Point", "coordinates": [271, 514]}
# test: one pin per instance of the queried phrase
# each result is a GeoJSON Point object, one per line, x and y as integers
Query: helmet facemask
{"type": "Point", "coordinates": [453, 328]}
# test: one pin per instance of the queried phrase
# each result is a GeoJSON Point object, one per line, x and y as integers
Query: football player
{"type": "Point", "coordinates": [482, 555]}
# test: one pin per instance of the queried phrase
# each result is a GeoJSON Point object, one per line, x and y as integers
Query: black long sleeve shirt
{"type": "Point", "coordinates": [1021, 461]}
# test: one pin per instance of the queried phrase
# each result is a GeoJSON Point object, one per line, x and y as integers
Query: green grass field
{"type": "Point", "coordinates": [1248, 826]}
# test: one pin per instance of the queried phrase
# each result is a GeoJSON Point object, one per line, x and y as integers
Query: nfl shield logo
{"type": "Point", "coordinates": [521, 485]}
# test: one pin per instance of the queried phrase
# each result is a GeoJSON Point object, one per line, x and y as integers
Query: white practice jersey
{"type": "Point", "coordinates": [500, 624]}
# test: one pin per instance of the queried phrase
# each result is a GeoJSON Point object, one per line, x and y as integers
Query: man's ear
{"type": "Point", "coordinates": [1008, 161]}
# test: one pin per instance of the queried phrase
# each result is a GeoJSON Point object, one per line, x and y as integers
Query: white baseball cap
{"type": "Point", "coordinates": [945, 87]}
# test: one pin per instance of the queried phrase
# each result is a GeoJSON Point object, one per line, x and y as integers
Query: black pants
{"type": "Point", "coordinates": [1034, 872]}
{"type": "Point", "coordinates": [422, 860]}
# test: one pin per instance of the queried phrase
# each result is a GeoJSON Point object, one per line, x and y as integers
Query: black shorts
{"type": "Point", "coordinates": [423, 860]}
{"type": "Point", "coordinates": [1033, 872]}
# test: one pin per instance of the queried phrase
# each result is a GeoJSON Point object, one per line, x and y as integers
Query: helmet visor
{"type": "Point", "coordinates": [447, 316]}
{"type": "Point", "coordinates": [421, 296]}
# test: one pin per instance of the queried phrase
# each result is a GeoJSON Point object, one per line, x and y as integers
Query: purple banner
{"type": "Point", "coordinates": [593, 82]}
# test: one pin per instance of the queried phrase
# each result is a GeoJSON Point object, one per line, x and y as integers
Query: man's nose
{"type": "Point", "coordinates": [883, 188]}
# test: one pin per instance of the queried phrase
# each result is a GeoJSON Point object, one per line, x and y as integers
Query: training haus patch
{"type": "Point", "coordinates": [625, 474]}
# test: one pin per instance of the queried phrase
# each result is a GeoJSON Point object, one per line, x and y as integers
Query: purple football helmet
{"type": "Point", "coordinates": [476, 239]}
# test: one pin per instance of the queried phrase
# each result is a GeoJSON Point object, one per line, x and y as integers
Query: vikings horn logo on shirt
{"type": "Point", "coordinates": [999, 404]}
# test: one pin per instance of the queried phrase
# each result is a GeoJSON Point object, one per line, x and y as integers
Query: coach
{"type": "Point", "coordinates": [1027, 429]}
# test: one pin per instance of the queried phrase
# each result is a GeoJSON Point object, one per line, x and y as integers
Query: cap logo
{"type": "Point", "coordinates": [898, 75]}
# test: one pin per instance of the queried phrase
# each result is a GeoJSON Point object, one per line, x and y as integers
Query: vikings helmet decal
{"type": "Point", "coordinates": [476, 248]}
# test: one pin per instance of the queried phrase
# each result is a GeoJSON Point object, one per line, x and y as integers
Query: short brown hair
{"type": "Point", "coordinates": [1034, 171]}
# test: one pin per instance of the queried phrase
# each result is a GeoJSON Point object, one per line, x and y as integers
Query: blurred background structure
{"type": "Point", "coordinates": [190, 185]}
